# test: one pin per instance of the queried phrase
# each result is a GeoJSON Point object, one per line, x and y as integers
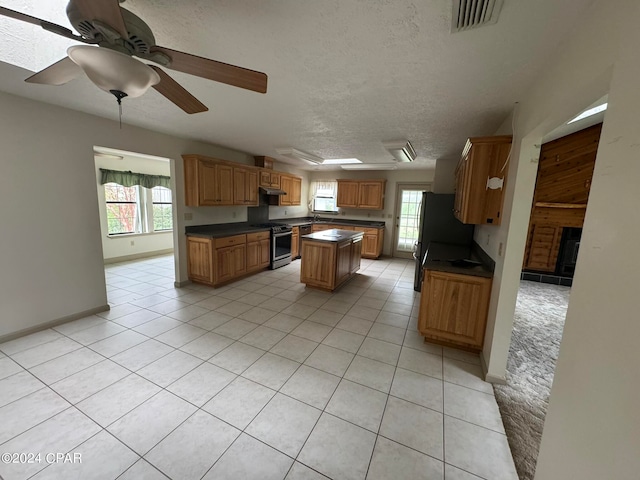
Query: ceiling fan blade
{"type": "Point", "coordinates": [59, 73]}
{"type": "Point", "coordinates": [214, 70]}
{"type": "Point", "coordinates": [51, 27]}
{"type": "Point", "coordinates": [176, 93]}
{"type": "Point", "coordinates": [105, 11]}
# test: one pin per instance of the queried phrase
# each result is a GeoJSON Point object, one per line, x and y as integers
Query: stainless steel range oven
{"type": "Point", "coordinates": [281, 236]}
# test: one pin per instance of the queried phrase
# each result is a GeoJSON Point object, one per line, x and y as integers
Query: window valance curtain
{"type": "Point", "coordinates": [129, 179]}
{"type": "Point", "coordinates": [324, 188]}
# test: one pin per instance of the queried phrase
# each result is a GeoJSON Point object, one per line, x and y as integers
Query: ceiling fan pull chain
{"type": "Point", "coordinates": [119, 94]}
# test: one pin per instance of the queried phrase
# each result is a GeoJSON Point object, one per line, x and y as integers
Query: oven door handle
{"type": "Point", "coordinates": [282, 234]}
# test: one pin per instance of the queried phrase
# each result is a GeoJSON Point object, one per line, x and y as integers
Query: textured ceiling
{"type": "Point", "coordinates": [344, 75]}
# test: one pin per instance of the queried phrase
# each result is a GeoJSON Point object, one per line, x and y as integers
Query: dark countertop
{"type": "Point", "coordinates": [334, 235]}
{"type": "Point", "coordinates": [219, 230]}
{"type": "Point", "coordinates": [222, 230]}
{"type": "Point", "coordinates": [296, 222]}
{"type": "Point", "coordinates": [441, 257]}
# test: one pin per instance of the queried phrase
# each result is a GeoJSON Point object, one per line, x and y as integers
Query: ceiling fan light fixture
{"type": "Point", "coordinates": [114, 71]}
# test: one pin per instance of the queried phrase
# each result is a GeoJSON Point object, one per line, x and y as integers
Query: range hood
{"type": "Point", "coordinates": [272, 191]}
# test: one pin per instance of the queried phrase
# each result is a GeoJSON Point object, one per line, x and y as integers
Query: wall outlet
{"type": "Point", "coordinates": [368, 215]}
{"type": "Point", "coordinates": [344, 213]}
{"type": "Point", "coordinates": [388, 215]}
{"type": "Point", "coordinates": [488, 239]}
{"type": "Point", "coordinates": [500, 249]}
{"type": "Point", "coordinates": [133, 243]}
{"type": "Point", "coordinates": [285, 213]}
{"type": "Point", "coordinates": [234, 214]}
{"type": "Point", "coordinates": [188, 216]}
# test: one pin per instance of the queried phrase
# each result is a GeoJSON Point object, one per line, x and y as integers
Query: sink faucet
{"type": "Point", "coordinates": [316, 217]}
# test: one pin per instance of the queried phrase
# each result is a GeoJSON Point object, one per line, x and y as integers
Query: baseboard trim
{"type": "Point", "coordinates": [184, 283]}
{"type": "Point", "coordinates": [495, 379]}
{"type": "Point", "coordinates": [137, 256]}
{"type": "Point", "coordinates": [53, 323]}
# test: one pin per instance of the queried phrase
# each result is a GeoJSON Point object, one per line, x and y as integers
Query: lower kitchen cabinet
{"type": "Point", "coordinates": [295, 242]}
{"type": "Point", "coordinates": [258, 251]}
{"type": "Point", "coordinates": [453, 309]}
{"type": "Point", "coordinates": [200, 259]}
{"type": "Point", "coordinates": [215, 261]}
{"type": "Point", "coordinates": [372, 242]}
{"type": "Point", "coordinates": [327, 265]}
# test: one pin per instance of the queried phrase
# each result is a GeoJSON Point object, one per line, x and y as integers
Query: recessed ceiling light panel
{"type": "Point", "coordinates": [340, 161]}
{"type": "Point", "coordinates": [295, 154]}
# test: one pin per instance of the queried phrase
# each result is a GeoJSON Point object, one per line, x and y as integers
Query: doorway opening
{"type": "Point", "coordinates": [135, 203]}
{"type": "Point", "coordinates": [407, 218]}
{"type": "Point", "coordinates": [567, 157]}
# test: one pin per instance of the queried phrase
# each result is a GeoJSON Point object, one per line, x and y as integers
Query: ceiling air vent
{"type": "Point", "coordinates": [469, 14]}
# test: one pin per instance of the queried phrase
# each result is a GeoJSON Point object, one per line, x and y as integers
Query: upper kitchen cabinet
{"type": "Point", "coordinates": [269, 179]}
{"type": "Point", "coordinates": [367, 194]}
{"type": "Point", "coordinates": [207, 182]}
{"type": "Point", "coordinates": [293, 186]}
{"type": "Point", "coordinates": [212, 182]}
{"type": "Point", "coordinates": [480, 180]}
{"type": "Point", "coordinates": [245, 186]}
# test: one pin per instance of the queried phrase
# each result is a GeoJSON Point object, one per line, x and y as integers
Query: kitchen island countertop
{"type": "Point", "coordinates": [333, 235]}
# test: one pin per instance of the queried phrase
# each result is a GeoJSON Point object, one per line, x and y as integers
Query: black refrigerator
{"type": "Point", "coordinates": [438, 224]}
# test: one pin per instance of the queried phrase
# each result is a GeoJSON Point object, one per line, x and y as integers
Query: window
{"type": "Point", "coordinates": [137, 209]}
{"type": "Point", "coordinates": [123, 212]}
{"type": "Point", "coordinates": [162, 216]}
{"type": "Point", "coordinates": [324, 196]}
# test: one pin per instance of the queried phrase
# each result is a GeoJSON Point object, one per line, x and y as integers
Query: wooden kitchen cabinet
{"type": "Point", "coordinates": [318, 266]}
{"type": "Point", "coordinates": [215, 261]}
{"type": "Point", "coordinates": [483, 158]}
{"type": "Point", "coordinates": [372, 242]}
{"type": "Point", "coordinates": [295, 242]}
{"type": "Point", "coordinates": [356, 255]}
{"type": "Point", "coordinates": [211, 182]}
{"type": "Point", "coordinates": [453, 309]}
{"type": "Point", "coordinates": [245, 186]}
{"type": "Point", "coordinates": [296, 191]}
{"type": "Point", "coordinates": [328, 264]}
{"type": "Point", "coordinates": [367, 194]}
{"type": "Point", "coordinates": [199, 259]}
{"type": "Point", "coordinates": [347, 194]}
{"type": "Point", "coordinates": [208, 184]}
{"type": "Point", "coordinates": [258, 250]}
{"type": "Point", "coordinates": [269, 179]}
{"type": "Point", "coordinates": [371, 195]}
{"type": "Point", "coordinates": [293, 188]}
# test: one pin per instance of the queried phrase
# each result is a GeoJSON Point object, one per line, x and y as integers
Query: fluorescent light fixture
{"type": "Point", "coordinates": [296, 154]}
{"type": "Point", "coordinates": [371, 166]}
{"type": "Point", "coordinates": [589, 113]}
{"type": "Point", "coordinates": [340, 161]}
{"type": "Point", "coordinates": [401, 150]}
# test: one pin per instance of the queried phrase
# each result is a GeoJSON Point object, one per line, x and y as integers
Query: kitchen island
{"type": "Point", "coordinates": [330, 258]}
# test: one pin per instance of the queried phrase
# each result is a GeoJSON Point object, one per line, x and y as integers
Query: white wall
{"type": "Point", "coordinates": [592, 425]}
{"type": "Point", "coordinates": [51, 251]}
{"type": "Point", "coordinates": [576, 76]}
{"type": "Point", "coordinates": [393, 177]}
{"type": "Point", "coordinates": [116, 247]}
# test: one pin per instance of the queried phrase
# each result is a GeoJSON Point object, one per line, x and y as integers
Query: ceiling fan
{"type": "Point", "coordinates": [113, 35]}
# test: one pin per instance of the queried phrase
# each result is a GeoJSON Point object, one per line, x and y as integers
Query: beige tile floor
{"type": "Point", "coordinates": [261, 379]}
